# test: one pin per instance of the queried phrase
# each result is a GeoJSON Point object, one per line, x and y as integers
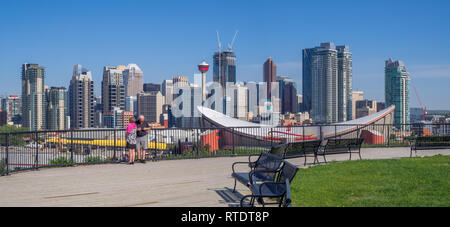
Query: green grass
{"type": "Point", "coordinates": [395, 182]}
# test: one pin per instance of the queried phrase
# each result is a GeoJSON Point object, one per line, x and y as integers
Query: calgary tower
{"type": "Point", "coordinates": [203, 68]}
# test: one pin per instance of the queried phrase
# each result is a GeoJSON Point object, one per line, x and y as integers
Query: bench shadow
{"type": "Point", "coordinates": [232, 199]}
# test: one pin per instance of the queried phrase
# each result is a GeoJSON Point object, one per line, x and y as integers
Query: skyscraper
{"type": "Point", "coordinates": [327, 83]}
{"type": "Point", "coordinates": [397, 92]}
{"type": "Point", "coordinates": [33, 100]}
{"type": "Point", "coordinates": [57, 108]}
{"type": "Point", "coordinates": [81, 98]}
{"type": "Point", "coordinates": [131, 104]}
{"type": "Point", "coordinates": [345, 68]}
{"type": "Point", "coordinates": [167, 91]}
{"type": "Point", "coordinates": [270, 75]}
{"type": "Point", "coordinates": [149, 87]}
{"type": "Point", "coordinates": [224, 68]}
{"type": "Point", "coordinates": [150, 105]}
{"type": "Point", "coordinates": [288, 94]}
{"type": "Point", "coordinates": [113, 88]}
{"type": "Point", "coordinates": [132, 79]}
{"type": "Point", "coordinates": [240, 102]}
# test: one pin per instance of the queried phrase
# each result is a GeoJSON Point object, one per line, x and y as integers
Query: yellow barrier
{"type": "Point", "coordinates": [106, 143]}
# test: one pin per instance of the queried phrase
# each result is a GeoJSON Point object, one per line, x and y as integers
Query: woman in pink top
{"type": "Point", "coordinates": [131, 139]}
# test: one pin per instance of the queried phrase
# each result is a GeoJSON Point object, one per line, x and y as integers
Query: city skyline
{"type": "Point", "coordinates": [153, 50]}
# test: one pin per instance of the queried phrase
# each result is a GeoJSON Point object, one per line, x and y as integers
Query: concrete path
{"type": "Point", "coordinates": [195, 182]}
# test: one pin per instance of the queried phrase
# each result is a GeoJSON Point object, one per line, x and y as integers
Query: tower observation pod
{"type": "Point", "coordinates": [203, 68]}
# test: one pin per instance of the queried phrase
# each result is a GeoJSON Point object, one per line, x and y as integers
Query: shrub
{"type": "Point", "coordinates": [2, 167]}
{"type": "Point", "coordinates": [61, 161]}
{"type": "Point", "coordinates": [95, 159]}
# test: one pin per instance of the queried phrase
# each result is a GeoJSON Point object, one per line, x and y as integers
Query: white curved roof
{"type": "Point", "coordinates": [224, 120]}
{"type": "Point", "coordinates": [267, 132]}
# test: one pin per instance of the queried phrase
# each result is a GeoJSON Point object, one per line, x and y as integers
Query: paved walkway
{"type": "Point", "coordinates": [195, 182]}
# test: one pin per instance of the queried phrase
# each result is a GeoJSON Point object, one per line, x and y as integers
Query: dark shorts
{"type": "Point", "coordinates": [130, 146]}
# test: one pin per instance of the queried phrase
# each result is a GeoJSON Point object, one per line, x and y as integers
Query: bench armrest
{"type": "Point", "coordinates": [252, 173]}
{"type": "Point", "coordinates": [250, 164]}
{"type": "Point", "coordinates": [253, 155]}
{"type": "Point", "coordinates": [273, 183]}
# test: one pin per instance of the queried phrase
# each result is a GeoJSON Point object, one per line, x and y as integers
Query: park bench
{"type": "Point", "coordinates": [264, 168]}
{"type": "Point", "coordinates": [296, 149]}
{"type": "Point", "coordinates": [430, 143]}
{"type": "Point", "coordinates": [340, 146]}
{"type": "Point", "coordinates": [277, 191]}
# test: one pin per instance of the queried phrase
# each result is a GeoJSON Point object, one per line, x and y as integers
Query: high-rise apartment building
{"type": "Point", "coordinates": [224, 67]}
{"type": "Point", "coordinates": [345, 69]}
{"type": "Point", "coordinates": [113, 88]}
{"type": "Point", "coordinates": [33, 97]}
{"type": "Point", "coordinates": [132, 79]}
{"type": "Point", "coordinates": [150, 105]}
{"type": "Point", "coordinates": [57, 108]}
{"type": "Point", "coordinates": [270, 75]}
{"type": "Point", "coordinates": [327, 83]}
{"type": "Point", "coordinates": [12, 105]}
{"type": "Point", "coordinates": [397, 92]}
{"type": "Point", "coordinates": [81, 98]}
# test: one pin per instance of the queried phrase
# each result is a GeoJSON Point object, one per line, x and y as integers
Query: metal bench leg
{"type": "Point", "coordinates": [234, 189]}
{"type": "Point", "coordinates": [304, 153]}
{"type": "Point", "coordinates": [252, 201]}
{"type": "Point", "coordinates": [359, 153]}
{"type": "Point", "coordinates": [325, 159]}
{"type": "Point", "coordinates": [350, 155]}
{"type": "Point", "coordinates": [410, 153]}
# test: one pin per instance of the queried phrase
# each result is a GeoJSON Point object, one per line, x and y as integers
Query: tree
{"type": "Point", "coordinates": [16, 136]}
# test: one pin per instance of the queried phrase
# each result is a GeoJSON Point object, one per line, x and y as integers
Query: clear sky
{"type": "Point", "coordinates": [171, 37]}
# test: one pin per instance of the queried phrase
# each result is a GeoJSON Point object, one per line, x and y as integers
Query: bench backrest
{"type": "Point", "coordinates": [267, 165]}
{"type": "Point", "coordinates": [432, 140]}
{"type": "Point", "coordinates": [337, 145]}
{"type": "Point", "coordinates": [288, 172]}
{"type": "Point", "coordinates": [307, 147]}
{"type": "Point", "coordinates": [279, 149]}
{"type": "Point", "coordinates": [294, 149]}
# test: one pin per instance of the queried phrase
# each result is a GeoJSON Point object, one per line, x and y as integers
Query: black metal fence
{"type": "Point", "coordinates": [38, 149]}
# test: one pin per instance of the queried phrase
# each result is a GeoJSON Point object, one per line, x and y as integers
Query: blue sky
{"type": "Point", "coordinates": [167, 38]}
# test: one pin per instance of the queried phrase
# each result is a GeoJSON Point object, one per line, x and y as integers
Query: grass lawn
{"type": "Point", "coordinates": [395, 182]}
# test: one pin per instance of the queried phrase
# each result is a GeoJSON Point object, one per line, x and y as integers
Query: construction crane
{"type": "Point", "coordinates": [220, 55]}
{"type": "Point", "coordinates": [230, 46]}
{"type": "Point", "coordinates": [424, 109]}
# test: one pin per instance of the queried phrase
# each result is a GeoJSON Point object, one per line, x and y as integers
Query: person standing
{"type": "Point", "coordinates": [142, 138]}
{"type": "Point", "coordinates": [131, 140]}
